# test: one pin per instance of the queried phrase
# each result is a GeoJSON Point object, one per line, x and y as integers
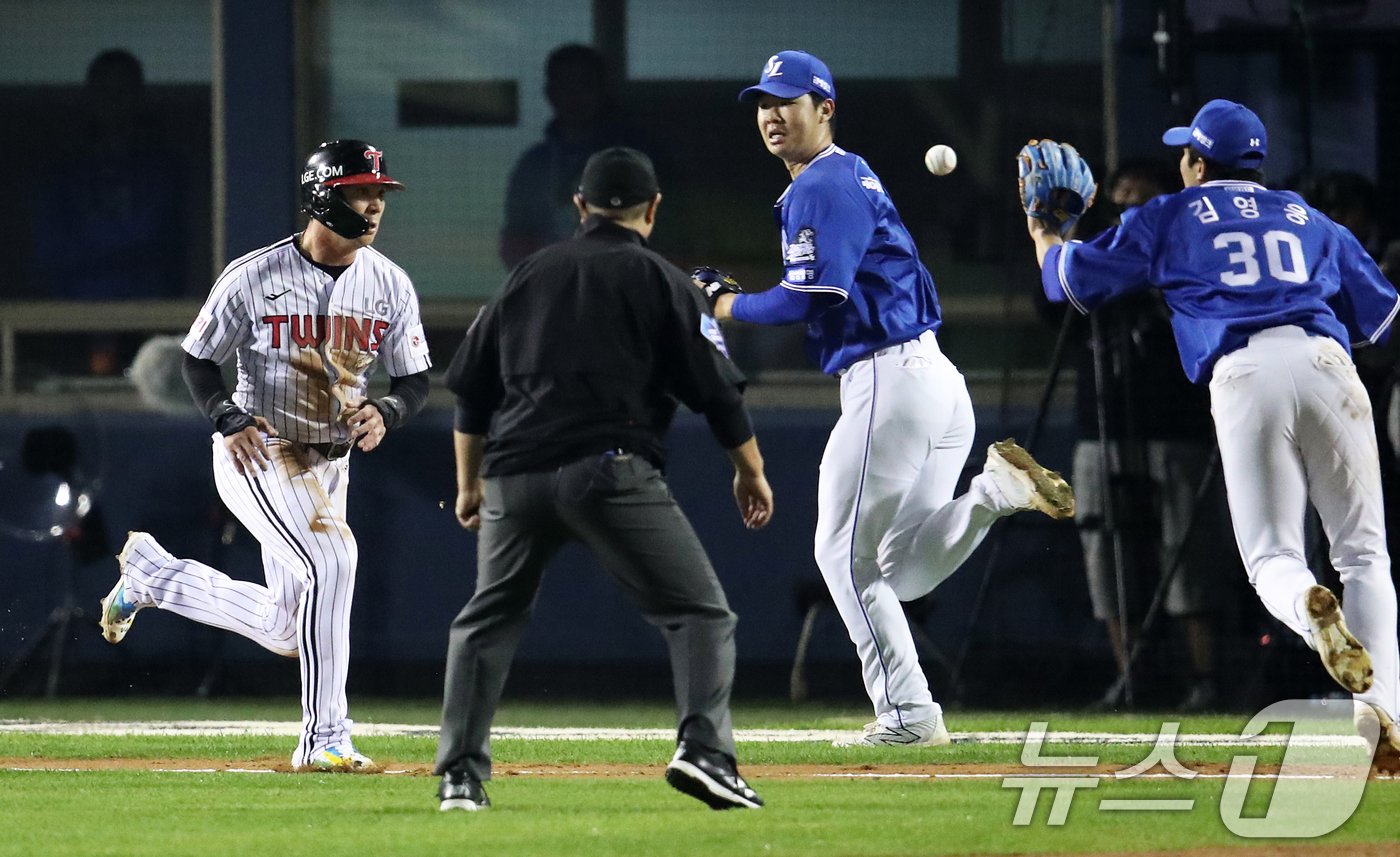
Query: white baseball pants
{"type": "Point", "coordinates": [1294, 424]}
{"type": "Point", "coordinates": [887, 526]}
{"type": "Point", "coordinates": [296, 509]}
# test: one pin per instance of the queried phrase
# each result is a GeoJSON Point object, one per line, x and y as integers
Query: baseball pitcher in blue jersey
{"type": "Point", "coordinates": [1268, 297]}
{"type": "Point", "coordinates": [888, 527]}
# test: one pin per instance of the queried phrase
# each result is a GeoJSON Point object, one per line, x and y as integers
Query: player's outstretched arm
{"type": "Point", "coordinates": [1056, 188]}
{"type": "Point", "coordinates": [751, 490]}
{"type": "Point", "coordinates": [1044, 235]}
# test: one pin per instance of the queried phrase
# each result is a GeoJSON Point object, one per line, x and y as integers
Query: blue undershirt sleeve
{"type": "Point", "coordinates": [1050, 276]}
{"type": "Point", "coordinates": [778, 305]}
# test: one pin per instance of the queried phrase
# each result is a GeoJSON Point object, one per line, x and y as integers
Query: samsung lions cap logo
{"type": "Point", "coordinates": [773, 68]}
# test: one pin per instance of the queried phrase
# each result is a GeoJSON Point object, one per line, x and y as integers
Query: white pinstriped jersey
{"type": "Point", "coordinates": [306, 342]}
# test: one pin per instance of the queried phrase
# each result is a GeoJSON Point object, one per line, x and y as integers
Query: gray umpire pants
{"type": "Point", "coordinates": [621, 508]}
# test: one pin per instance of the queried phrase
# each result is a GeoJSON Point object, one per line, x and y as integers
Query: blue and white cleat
{"type": "Point", "coordinates": [117, 609]}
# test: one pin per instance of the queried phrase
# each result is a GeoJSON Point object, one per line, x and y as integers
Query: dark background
{"type": "Point", "coordinates": [1323, 74]}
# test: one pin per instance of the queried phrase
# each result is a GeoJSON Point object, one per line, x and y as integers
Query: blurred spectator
{"type": "Point", "coordinates": [107, 217]}
{"type": "Point", "coordinates": [1162, 441]}
{"type": "Point", "coordinates": [539, 195]}
{"type": "Point", "coordinates": [1351, 200]}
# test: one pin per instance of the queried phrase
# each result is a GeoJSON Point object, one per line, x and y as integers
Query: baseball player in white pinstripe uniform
{"type": "Point", "coordinates": [309, 318]}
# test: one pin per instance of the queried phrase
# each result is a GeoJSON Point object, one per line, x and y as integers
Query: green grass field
{"type": "Point", "coordinates": [135, 810]}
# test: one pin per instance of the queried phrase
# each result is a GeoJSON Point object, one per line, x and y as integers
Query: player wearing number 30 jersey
{"type": "Point", "coordinates": [1267, 298]}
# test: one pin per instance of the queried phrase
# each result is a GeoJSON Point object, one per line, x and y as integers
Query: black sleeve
{"type": "Point", "coordinates": [407, 396]}
{"type": "Point", "coordinates": [206, 384]}
{"type": "Point", "coordinates": [702, 377]}
{"type": "Point", "coordinates": [474, 375]}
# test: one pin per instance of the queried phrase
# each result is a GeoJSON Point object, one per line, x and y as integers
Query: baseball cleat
{"type": "Point", "coordinates": [342, 758]}
{"type": "Point", "coordinates": [117, 610]}
{"type": "Point", "coordinates": [1385, 748]}
{"type": "Point", "coordinates": [1025, 483]}
{"type": "Point", "coordinates": [1344, 657]}
{"type": "Point", "coordinates": [1386, 758]}
{"type": "Point", "coordinates": [460, 791]}
{"type": "Point", "coordinates": [925, 733]}
{"type": "Point", "coordinates": [710, 777]}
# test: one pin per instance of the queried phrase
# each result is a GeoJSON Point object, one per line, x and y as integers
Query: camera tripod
{"type": "Point", "coordinates": [1111, 467]}
{"type": "Point", "coordinates": [56, 632]}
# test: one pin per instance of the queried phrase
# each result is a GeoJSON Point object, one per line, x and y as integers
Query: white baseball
{"type": "Point", "coordinates": [940, 159]}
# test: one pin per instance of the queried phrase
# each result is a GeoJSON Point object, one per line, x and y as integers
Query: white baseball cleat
{"type": "Point", "coordinates": [1386, 751]}
{"type": "Point", "coordinates": [1025, 483]}
{"type": "Point", "coordinates": [117, 610]}
{"type": "Point", "coordinates": [340, 758]}
{"type": "Point", "coordinates": [928, 733]}
{"type": "Point", "coordinates": [1344, 657]}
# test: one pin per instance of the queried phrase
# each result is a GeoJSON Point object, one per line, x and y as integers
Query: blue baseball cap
{"type": "Point", "coordinates": [792, 74]}
{"type": "Point", "coordinates": [1225, 132]}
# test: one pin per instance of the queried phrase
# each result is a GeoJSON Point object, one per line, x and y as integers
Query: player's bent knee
{"type": "Point", "coordinates": [1368, 567]}
{"type": "Point", "coordinates": [284, 646]}
{"type": "Point", "coordinates": [1261, 565]}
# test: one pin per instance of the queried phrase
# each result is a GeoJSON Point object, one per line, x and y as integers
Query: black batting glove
{"type": "Point", "coordinates": [230, 419]}
{"type": "Point", "coordinates": [390, 408]}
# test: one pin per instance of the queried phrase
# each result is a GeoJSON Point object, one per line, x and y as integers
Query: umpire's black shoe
{"type": "Point", "coordinates": [710, 776]}
{"type": "Point", "coordinates": [461, 791]}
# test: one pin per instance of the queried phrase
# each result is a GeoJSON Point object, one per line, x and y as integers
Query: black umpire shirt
{"type": "Point", "coordinates": [589, 346]}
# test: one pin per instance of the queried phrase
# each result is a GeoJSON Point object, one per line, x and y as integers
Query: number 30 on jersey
{"type": "Point", "coordinates": [1283, 250]}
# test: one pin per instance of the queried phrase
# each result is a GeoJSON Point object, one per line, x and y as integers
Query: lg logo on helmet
{"type": "Point", "coordinates": [324, 172]}
{"type": "Point", "coordinates": [374, 156]}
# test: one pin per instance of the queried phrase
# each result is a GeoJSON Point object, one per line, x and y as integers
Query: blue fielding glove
{"type": "Point", "coordinates": [1056, 185]}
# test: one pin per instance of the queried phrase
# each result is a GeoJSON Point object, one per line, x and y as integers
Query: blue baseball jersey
{"type": "Point", "coordinates": [842, 237]}
{"type": "Point", "coordinates": [1232, 258]}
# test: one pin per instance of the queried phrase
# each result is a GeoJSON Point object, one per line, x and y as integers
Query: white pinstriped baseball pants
{"type": "Point", "coordinates": [888, 526]}
{"type": "Point", "coordinates": [1294, 425]}
{"type": "Point", "coordinates": [296, 509]}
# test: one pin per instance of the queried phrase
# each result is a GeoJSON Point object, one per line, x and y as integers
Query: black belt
{"type": "Point", "coordinates": [331, 451]}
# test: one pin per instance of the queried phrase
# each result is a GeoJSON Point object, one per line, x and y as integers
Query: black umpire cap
{"type": "Point", "coordinates": [618, 177]}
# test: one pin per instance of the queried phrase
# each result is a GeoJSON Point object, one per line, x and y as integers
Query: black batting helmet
{"type": "Point", "coordinates": [335, 164]}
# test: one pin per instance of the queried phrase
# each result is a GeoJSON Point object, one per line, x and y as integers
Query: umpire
{"type": "Point", "coordinates": [566, 384]}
